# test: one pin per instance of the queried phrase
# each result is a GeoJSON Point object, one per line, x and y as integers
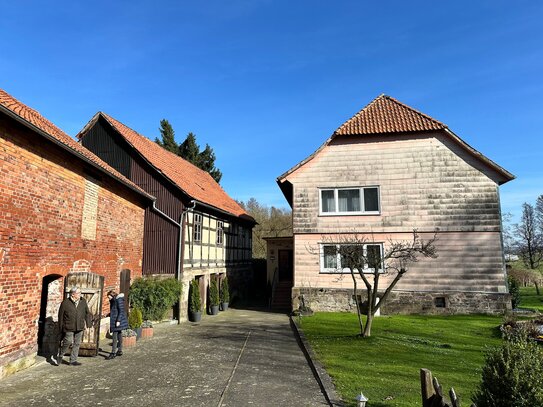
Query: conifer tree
{"type": "Point", "coordinates": [189, 150]}
{"type": "Point", "coordinates": [168, 137]}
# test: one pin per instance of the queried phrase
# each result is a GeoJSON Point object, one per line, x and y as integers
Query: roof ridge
{"type": "Point", "coordinates": [153, 143]}
{"type": "Point", "coordinates": [385, 114]}
{"type": "Point", "coordinates": [415, 111]}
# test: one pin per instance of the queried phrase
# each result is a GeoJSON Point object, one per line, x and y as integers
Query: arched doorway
{"type": "Point", "coordinates": [51, 297]}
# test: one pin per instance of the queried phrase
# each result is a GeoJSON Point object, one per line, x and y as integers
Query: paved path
{"type": "Point", "coordinates": [238, 358]}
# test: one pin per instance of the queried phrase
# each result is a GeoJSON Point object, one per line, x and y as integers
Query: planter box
{"type": "Point", "coordinates": [129, 341]}
{"type": "Point", "coordinates": [147, 332]}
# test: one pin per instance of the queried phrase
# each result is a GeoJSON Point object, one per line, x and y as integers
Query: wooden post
{"type": "Point", "coordinates": [426, 387]}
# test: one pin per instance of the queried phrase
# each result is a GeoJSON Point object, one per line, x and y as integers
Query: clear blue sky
{"type": "Point", "coordinates": [266, 82]}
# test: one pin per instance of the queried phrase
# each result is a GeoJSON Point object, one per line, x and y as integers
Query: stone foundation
{"type": "Point", "coordinates": [406, 302]}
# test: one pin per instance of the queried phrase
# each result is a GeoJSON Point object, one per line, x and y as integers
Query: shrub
{"type": "Point", "coordinates": [155, 296]}
{"type": "Point", "coordinates": [514, 291]}
{"type": "Point", "coordinates": [214, 293]}
{"type": "Point", "coordinates": [135, 318]}
{"type": "Point", "coordinates": [195, 304]}
{"type": "Point", "coordinates": [225, 291]}
{"type": "Point", "coordinates": [512, 376]}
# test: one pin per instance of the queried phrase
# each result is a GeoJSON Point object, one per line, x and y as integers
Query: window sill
{"type": "Point", "coordinates": [349, 213]}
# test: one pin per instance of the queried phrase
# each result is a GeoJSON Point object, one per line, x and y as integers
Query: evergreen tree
{"type": "Point", "coordinates": [204, 160]}
{"type": "Point", "coordinates": [189, 150]}
{"type": "Point", "coordinates": [168, 137]}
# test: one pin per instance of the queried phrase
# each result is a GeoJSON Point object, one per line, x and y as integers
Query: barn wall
{"type": "Point", "coordinates": [55, 217]}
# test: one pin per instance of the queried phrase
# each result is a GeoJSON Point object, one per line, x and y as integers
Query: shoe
{"type": "Point", "coordinates": [111, 356]}
{"type": "Point", "coordinates": [54, 362]}
{"type": "Point", "coordinates": [119, 353]}
{"type": "Point", "coordinates": [75, 363]}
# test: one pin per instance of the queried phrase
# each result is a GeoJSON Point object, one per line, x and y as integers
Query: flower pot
{"type": "Point", "coordinates": [129, 341]}
{"type": "Point", "coordinates": [224, 306]}
{"type": "Point", "coordinates": [138, 333]}
{"type": "Point", "coordinates": [214, 309]}
{"type": "Point", "coordinates": [195, 316]}
{"type": "Point", "coordinates": [147, 332]}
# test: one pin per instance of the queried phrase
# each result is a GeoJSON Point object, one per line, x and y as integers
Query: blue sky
{"type": "Point", "coordinates": [265, 83]}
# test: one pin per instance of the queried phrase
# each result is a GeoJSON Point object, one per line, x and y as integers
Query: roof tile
{"type": "Point", "coordinates": [35, 119]}
{"type": "Point", "coordinates": [387, 115]}
{"type": "Point", "coordinates": [195, 182]}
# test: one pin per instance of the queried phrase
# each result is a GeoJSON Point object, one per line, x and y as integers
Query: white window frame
{"type": "Point", "coordinates": [362, 203]}
{"type": "Point", "coordinates": [197, 222]}
{"type": "Point", "coordinates": [341, 270]}
{"type": "Point", "coordinates": [220, 233]}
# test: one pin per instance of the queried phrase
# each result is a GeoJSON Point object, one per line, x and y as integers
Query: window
{"type": "Point", "coordinates": [337, 258]}
{"type": "Point", "coordinates": [349, 201]}
{"type": "Point", "coordinates": [197, 227]}
{"type": "Point", "coordinates": [220, 233]}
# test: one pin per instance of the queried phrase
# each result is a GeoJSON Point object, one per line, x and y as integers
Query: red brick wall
{"type": "Point", "coordinates": [42, 191]}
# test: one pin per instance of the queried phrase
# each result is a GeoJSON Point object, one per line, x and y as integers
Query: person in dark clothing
{"type": "Point", "coordinates": [117, 322]}
{"type": "Point", "coordinates": [72, 316]}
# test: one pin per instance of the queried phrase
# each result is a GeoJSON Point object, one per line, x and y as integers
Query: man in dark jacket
{"type": "Point", "coordinates": [72, 316]}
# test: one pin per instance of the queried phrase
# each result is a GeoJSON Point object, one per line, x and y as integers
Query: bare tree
{"type": "Point", "coordinates": [530, 236]}
{"type": "Point", "coordinates": [365, 259]}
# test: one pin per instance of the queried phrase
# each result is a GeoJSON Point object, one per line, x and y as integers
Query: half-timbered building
{"type": "Point", "coordinates": [385, 172]}
{"type": "Point", "coordinates": [194, 230]}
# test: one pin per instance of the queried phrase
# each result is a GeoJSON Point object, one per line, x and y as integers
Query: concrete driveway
{"type": "Point", "coordinates": [237, 358]}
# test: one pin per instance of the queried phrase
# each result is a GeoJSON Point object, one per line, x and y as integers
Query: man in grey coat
{"type": "Point", "coordinates": [72, 316]}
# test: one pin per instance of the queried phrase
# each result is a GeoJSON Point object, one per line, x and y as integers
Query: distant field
{"type": "Point", "coordinates": [386, 366]}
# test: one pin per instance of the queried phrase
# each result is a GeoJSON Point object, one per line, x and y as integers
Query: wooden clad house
{"type": "Point", "coordinates": [385, 172]}
{"type": "Point", "coordinates": [66, 218]}
{"type": "Point", "coordinates": [194, 230]}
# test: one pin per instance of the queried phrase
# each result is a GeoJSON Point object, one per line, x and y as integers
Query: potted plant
{"type": "Point", "coordinates": [195, 303]}
{"type": "Point", "coordinates": [129, 338]}
{"type": "Point", "coordinates": [214, 297]}
{"type": "Point", "coordinates": [225, 294]}
{"type": "Point", "coordinates": [146, 329]}
{"type": "Point", "coordinates": [135, 319]}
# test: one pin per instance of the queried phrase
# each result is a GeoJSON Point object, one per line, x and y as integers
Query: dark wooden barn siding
{"type": "Point", "coordinates": [109, 147]}
{"type": "Point", "coordinates": [161, 236]}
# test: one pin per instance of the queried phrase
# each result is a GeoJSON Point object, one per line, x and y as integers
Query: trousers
{"type": "Point", "coordinates": [70, 338]}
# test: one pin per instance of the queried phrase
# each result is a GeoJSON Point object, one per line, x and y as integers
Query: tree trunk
{"type": "Point", "coordinates": [367, 329]}
{"type": "Point", "coordinates": [358, 311]}
{"type": "Point", "coordinates": [536, 287]}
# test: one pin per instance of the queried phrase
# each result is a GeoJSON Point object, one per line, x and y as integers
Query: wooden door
{"type": "Point", "coordinates": [92, 287]}
{"type": "Point", "coordinates": [285, 265]}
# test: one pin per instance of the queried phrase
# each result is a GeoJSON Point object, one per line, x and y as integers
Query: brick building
{"type": "Point", "coordinates": [63, 210]}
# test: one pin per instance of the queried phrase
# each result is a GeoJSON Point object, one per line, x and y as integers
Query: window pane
{"type": "Point", "coordinates": [374, 255]}
{"type": "Point", "coordinates": [349, 200]}
{"type": "Point", "coordinates": [352, 256]}
{"type": "Point", "coordinates": [330, 257]}
{"type": "Point", "coordinates": [327, 198]}
{"type": "Point", "coordinates": [371, 200]}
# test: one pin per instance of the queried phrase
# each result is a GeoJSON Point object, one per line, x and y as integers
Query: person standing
{"type": "Point", "coordinates": [117, 322]}
{"type": "Point", "coordinates": [73, 314]}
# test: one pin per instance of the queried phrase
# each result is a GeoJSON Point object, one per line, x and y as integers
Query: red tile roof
{"type": "Point", "coordinates": [387, 115]}
{"type": "Point", "coordinates": [196, 183]}
{"type": "Point", "coordinates": [31, 118]}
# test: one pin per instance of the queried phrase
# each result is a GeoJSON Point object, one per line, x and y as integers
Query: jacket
{"type": "Point", "coordinates": [72, 319]}
{"type": "Point", "coordinates": [117, 314]}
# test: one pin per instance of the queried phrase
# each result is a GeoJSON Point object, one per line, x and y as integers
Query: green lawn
{"type": "Point", "coordinates": [385, 367]}
{"type": "Point", "coordinates": [529, 298]}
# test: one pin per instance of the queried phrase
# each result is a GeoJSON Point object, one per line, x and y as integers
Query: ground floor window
{"type": "Point", "coordinates": [341, 258]}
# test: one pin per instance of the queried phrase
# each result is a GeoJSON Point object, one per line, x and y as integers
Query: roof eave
{"type": "Point", "coordinates": [67, 148]}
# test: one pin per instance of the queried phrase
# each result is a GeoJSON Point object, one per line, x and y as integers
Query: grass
{"type": "Point", "coordinates": [386, 366]}
{"type": "Point", "coordinates": [530, 299]}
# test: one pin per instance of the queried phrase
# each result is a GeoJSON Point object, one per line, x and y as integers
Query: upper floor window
{"type": "Point", "coordinates": [337, 258]}
{"type": "Point", "coordinates": [349, 201]}
{"type": "Point", "coordinates": [220, 233]}
{"type": "Point", "coordinates": [197, 227]}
